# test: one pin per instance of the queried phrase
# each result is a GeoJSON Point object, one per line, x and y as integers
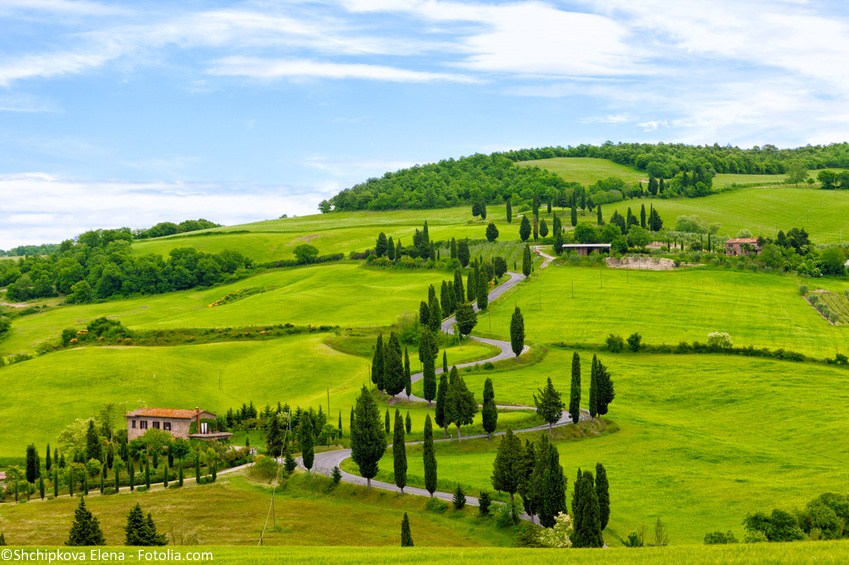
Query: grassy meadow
{"type": "Point", "coordinates": [586, 170]}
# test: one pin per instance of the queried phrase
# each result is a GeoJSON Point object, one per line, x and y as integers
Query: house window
{"type": "Point", "coordinates": [134, 423]}
{"type": "Point", "coordinates": [166, 426]}
{"type": "Point", "coordinates": [156, 425]}
{"type": "Point", "coordinates": [143, 424]}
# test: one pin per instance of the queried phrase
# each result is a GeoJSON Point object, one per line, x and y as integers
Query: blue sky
{"type": "Point", "coordinates": [130, 113]}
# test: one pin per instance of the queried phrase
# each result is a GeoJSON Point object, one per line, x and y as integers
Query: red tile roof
{"type": "Point", "coordinates": [742, 240]}
{"type": "Point", "coordinates": [175, 413]}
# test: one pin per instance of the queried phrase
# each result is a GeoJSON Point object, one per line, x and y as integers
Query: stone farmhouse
{"type": "Point", "coordinates": [176, 422]}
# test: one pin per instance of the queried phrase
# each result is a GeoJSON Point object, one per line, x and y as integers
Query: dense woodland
{"type": "Point", "coordinates": [686, 169]}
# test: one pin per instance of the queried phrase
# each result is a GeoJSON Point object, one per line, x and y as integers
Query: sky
{"type": "Point", "coordinates": [131, 113]}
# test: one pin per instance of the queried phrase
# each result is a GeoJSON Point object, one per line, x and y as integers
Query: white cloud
{"type": "Point", "coordinates": [26, 103]}
{"type": "Point", "coordinates": [268, 69]}
{"type": "Point", "coordinates": [56, 209]}
{"type": "Point", "coordinates": [355, 169]}
{"type": "Point", "coordinates": [609, 119]}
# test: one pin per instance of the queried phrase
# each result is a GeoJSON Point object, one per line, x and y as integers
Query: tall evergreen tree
{"type": "Point", "coordinates": [399, 452]}
{"type": "Point", "coordinates": [543, 228]}
{"type": "Point", "coordinates": [441, 397]}
{"type": "Point", "coordinates": [509, 210]}
{"type": "Point", "coordinates": [41, 486]}
{"type": "Point", "coordinates": [585, 513]}
{"type": "Point", "coordinates": [435, 315]}
{"type": "Point", "coordinates": [446, 298]}
{"type": "Point", "coordinates": [424, 314]}
{"type": "Point", "coordinates": [599, 220]}
{"type": "Point", "coordinates": [274, 437]}
{"type": "Point", "coordinates": [471, 287]}
{"type": "Point", "coordinates": [429, 457]}
{"type": "Point", "coordinates": [505, 468]}
{"type": "Point", "coordinates": [536, 226]}
{"type": "Point", "coordinates": [517, 332]}
{"type": "Point", "coordinates": [390, 249]}
{"type": "Point", "coordinates": [557, 230]}
{"type": "Point", "coordinates": [55, 481]}
{"type": "Point", "coordinates": [491, 232]}
{"type": "Point", "coordinates": [489, 412]}
{"type": "Point", "coordinates": [459, 291]}
{"type": "Point", "coordinates": [552, 488]}
{"type": "Point", "coordinates": [131, 472]}
{"type": "Point", "coordinates": [530, 478]}
{"type": "Point", "coordinates": [406, 535]}
{"type": "Point", "coordinates": [444, 361]}
{"type": "Point", "coordinates": [574, 215]}
{"type": "Point", "coordinates": [463, 254]}
{"type": "Point", "coordinates": [549, 405]}
{"type": "Point", "coordinates": [408, 380]}
{"type": "Point", "coordinates": [526, 262]}
{"type": "Point", "coordinates": [140, 531]}
{"type": "Point", "coordinates": [381, 245]}
{"type": "Point", "coordinates": [525, 228]}
{"type": "Point", "coordinates": [368, 440]}
{"type": "Point", "coordinates": [47, 461]}
{"type": "Point", "coordinates": [602, 490]}
{"type": "Point", "coordinates": [408, 423]}
{"type": "Point", "coordinates": [306, 439]}
{"type": "Point", "coordinates": [92, 450]}
{"type": "Point", "coordinates": [643, 216]}
{"type": "Point", "coordinates": [32, 464]}
{"type": "Point", "coordinates": [429, 380]}
{"type": "Point", "coordinates": [393, 367]}
{"type": "Point", "coordinates": [466, 318]}
{"type": "Point", "coordinates": [575, 392]}
{"type": "Point", "coordinates": [377, 363]}
{"type": "Point", "coordinates": [387, 423]}
{"type": "Point", "coordinates": [483, 291]}
{"type": "Point", "coordinates": [85, 530]}
{"type": "Point", "coordinates": [460, 405]}
{"type": "Point", "coordinates": [594, 397]}
{"type": "Point", "coordinates": [605, 390]}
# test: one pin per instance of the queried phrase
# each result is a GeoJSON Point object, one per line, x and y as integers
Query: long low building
{"type": "Point", "coordinates": [176, 422]}
{"type": "Point", "coordinates": [587, 248]}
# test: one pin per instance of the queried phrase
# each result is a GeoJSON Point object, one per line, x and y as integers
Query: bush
{"type": "Point", "coordinates": [719, 340]}
{"type": "Point", "coordinates": [528, 536]}
{"type": "Point", "coordinates": [615, 343]}
{"type": "Point", "coordinates": [636, 538]}
{"type": "Point", "coordinates": [803, 290]}
{"type": "Point", "coordinates": [717, 537]}
{"type": "Point", "coordinates": [436, 505]}
{"type": "Point", "coordinates": [635, 342]}
{"type": "Point", "coordinates": [508, 515]}
{"type": "Point", "coordinates": [336, 476]}
{"type": "Point", "coordinates": [484, 502]}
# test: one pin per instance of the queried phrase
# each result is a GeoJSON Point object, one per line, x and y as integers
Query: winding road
{"type": "Point", "coordinates": [325, 462]}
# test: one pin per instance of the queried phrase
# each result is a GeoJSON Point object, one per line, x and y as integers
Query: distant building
{"type": "Point", "coordinates": [742, 246]}
{"type": "Point", "coordinates": [587, 248]}
{"type": "Point", "coordinates": [176, 422]}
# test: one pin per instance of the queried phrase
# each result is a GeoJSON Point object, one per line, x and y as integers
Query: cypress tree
{"type": "Point", "coordinates": [424, 314]}
{"type": "Point", "coordinates": [603, 494]}
{"type": "Point", "coordinates": [92, 450]}
{"type": "Point", "coordinates": [453, 248]}
{"type": "Point", "coordinates": [536, 225]}
{"type": "Point", "coordinates": [543, 228]}
{"type": "Point", "coordinates": [483, 291]}
{"type": "Point", "coordinates": [306, 439]}
{"type": "Point", "coordinates": [71, 482]}
{"type": "Point", "coordinates": [517, 332]}
{"type": "Point", "coordinates": [459, 291]}
{"type": "Point", "coordinates": [102, 478]}
{"type": "Point", "coordinates": [460, 405]}
{"type": "Point", "coordinates": [429, 380]}
{"type": "Point", "coordinates": [574, 215]}
{"type": "Point", "coordinates": [377, 363]}
{"type": "Point", "coordinates": [368, 441]}
{"type": "Point", "coordinates": [32, 464]}
{"type": "Point", "coordinates": [489, 413]}
{"type": "Point", "coordinates": [165, 475]}
{"type": "Point", "coordinates": [55, 482]}
{"type": "Point", "coordinates": [390, 249]}
{"type": "Point", "coordinates": [146, 477]}
{"type": "Point", "coordinates": [526, 262]}
{"type": "Point", "coordinates": [446, 298]}
{"type": "Point", "coordinates": [471, 287]}
{"type": "Point", "coordinates": [41, 486]}
{"type": "Point", "coordinates": [599, 220]}
{"type": "Point", "coordinates": [381, 245]}
{"type": "Point", "coordinates": [180, 474]}
{"type": "Point", "coordinates": [406, 535]}
{"type": "Point", "coordinates": [466, 319]}
{"type": "Point", "coordinates": [47, 461]}
{"type": "Point", "coordinates": [408, 423]}
{"type": "Point", "coordinates": [525, 229]}
{"type": "Point", "coordinates": [435, 315]}
{"type": "Point", "coordinates": [429, 457]}
{"type": "Point", "coordinates": [387, 423]}
{"type": "Point", "coordinates": [131, 471]}
{"type": "Point", "coordinates": [441, 393]}
{"type": "Point", "coordinates": [594, 388]}
{"type": "Point", "coordinates": [643, 216]}
{"type": "Point", "coordinates": [491, 232]}
{"type": "Point", "coordinates": [340, 412]}
{"type": "Point", "coordinates": [117, 478]}
{"type": "Point", "coordinates": [605, 390]}
{"type": "Point", "coordinates": [408, 380]}
{"type": "Point", "coordinates": [399, 452]}
{"type": "Point", "coordinates": [505, 468]}
{"type": "Point", "coordinates": [549, 406]}
{"type": "Point", "coordinates": [85, 529]}
{"type": "Point", "coordinates": [585, 513]}
{"type": "Point", "coordinates": [558, 235]}
{"type": "Point", "coordinates": [509, 211]}
{"type": "Point", "coordinates": [552, 489]}
{"type": "Point", "coordinates": [197, 468]}
{"type": "Point", "coordinates": [393, 367]}
{"type": "Point", "coordinates": [575, 392]}
{"type": "Point", "coordinates": [444, 361]}
{"type": "Point", "coordinates": [463, 253]}
{"type": "Point", "coordinates": [398, 249]}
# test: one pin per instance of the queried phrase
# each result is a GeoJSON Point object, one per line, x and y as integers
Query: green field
{"type": "Point", "coordinates": [587, 170]}
{"type": "Point", "coordinates": [304, 509]}
{"type": "Point", "coordinates": [703, 440]}
{"type": "Point", "coordinates": [667, 307]}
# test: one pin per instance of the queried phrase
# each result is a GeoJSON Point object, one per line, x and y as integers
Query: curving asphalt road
{"type": "Point", "coordinates": [326, 461]}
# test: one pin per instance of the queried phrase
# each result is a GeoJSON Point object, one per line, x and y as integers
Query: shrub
{"type": "Point", "coordinates": [336, 476]}
{"type": "Point", "coordinates": [615, 343]}
{"type": "Point", "coordinates": [719, 340]}
{"type": "Point", "coordinates": [717, 537]}
{"type": "Point", "coordinates": [508, 515]}
{"type": "Point", "coordinates": [436, 505]}
{"type": "Point", "coordinates": [559, 535]}
{"type": "Point", "coordinates": [484, 502]}
{"type": "Point", "coordinates": [635, 538]}
{"type": "Point", "coordinates": [635, 342]}
{"type": "Point", "coordinates": [803, 290]}
{"type": "Point", "coordinates": [528, 536]}
{"type": "Point", "coordinates": [459, 499]}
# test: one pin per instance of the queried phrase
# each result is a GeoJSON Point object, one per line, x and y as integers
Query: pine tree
{"type": "Point", "coordinates": [489, 412]}
{"type": "Point", "coordinates": [548, 403]}
{"type": "Point", "coordinates": [585, 513]}
{"type": "Point", "coordinates": [368, 440]}
{"type": "Point", "coordinates": [459, 498]}
{"type": "Point", "coordinates": [605, 390]}
{"type": "Point", "coordinates": [306, 439]}
{"type": "Point", "coordinates": [399, 453]}
{"type": "Point", "coordinates": [517, 332]}
{"type": "Point", "coordinates": [509, 211]}
{"type": "Point", "coordinates": [505, 468]}
{"type": "Point", "coordinates": [603, 494]}
{"type": "Point", "coordinates": [483, 291]}
{"type": "Point", "coordinates": [408, 380]}
{"type": "Point", "coordinates": [484, 502]}
{"type": "Point", "coordinates": [140, 531]}
{"type": "Point", "coordinates": [575, 392]}
{"type": "Point", "coordinates": [377, 363]}
{"type": "Point", "coordinates": [441, 394]}
{"type": "Point", "coordinates": [85, 529]}
{"type": "Point", "coordinates": [594, 388]}
{"type": "Point", "coordinates": [406, 535]}
{"type": "Point", "coordinates": [460, 405]}
{"type": "Point", "coordinates": [526, 262]}
{"type": "Point", "coordinates": [393, 367]}
{"type": "Point", "coordinates": [429, 457]}
{"type": "Point", "coordinates": [463, 253]}
{"type": "Point", "coordinates": [491, 232]}
{"type": "Point", "coordinates": [525, 228]}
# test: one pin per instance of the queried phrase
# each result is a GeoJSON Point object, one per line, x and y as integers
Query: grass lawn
{"type": "Point", "coordinates": [348, 295]}
{"type": "Point", "coordinates": [763, 310]}
{"type": "Point", "coordinates": [587, 170]}
{"type": "Point", "coordinates": [305, 509]}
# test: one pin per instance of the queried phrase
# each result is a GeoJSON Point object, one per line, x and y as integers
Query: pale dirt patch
{"type": "Point", "coordinates": [643, 263]}
{"type": "Point", "coordinates": [307, 238]}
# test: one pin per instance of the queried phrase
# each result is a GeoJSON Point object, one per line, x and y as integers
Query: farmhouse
{"type": "Point", "coordinates": [742, 246]}
{"type": "Point", "coordinates": [186, 424]}
{"type": "Point", "coordinates": [587, 248]}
